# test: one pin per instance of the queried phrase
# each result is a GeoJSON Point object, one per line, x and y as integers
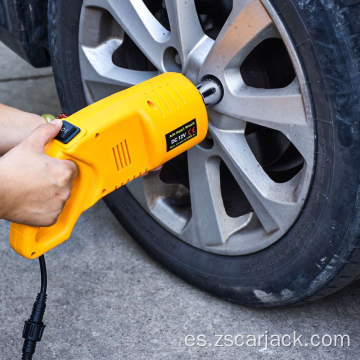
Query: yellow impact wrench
{"type": "Point", "coordinates": [116, 140]}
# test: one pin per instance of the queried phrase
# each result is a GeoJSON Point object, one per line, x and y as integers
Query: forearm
{"type": "Point", "coordinates": [15, 126]}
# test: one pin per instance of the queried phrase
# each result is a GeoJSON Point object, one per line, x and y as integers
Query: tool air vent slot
{"type": "Point", "coordinates": [122, 155]}
{"type": "Point", "coordinates": [165, 98]}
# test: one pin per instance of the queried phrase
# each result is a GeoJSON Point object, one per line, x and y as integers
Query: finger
{"type": "Point", "coordinates": [63, 195]}
{"type": "Point", "coordinates": [157, 168]}
{"type": "Point", "coordinates": [44, 134]}
{"type": "Point", "coordinates": [74, 168]}
{"type": "Point", "coordinates": [65, 173]}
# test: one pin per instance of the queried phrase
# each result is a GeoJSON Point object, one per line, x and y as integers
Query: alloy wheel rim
{"type": "Point", "coordinates": [185, 47]}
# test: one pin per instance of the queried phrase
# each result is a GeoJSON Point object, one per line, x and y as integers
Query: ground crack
{"type": "Point", "coordinates": [36, 77]}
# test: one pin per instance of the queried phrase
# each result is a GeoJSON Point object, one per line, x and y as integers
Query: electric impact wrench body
{"type": "Point", "coordinates": [116, 140]}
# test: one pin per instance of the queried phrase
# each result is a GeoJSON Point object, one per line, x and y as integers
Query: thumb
{"type": "Point", "coordinates": [43, 134]}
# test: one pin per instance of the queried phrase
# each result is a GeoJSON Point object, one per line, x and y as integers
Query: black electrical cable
{"type": "Point", "coordinates": [34, 327]}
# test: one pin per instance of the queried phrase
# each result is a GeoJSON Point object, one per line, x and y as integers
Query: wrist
{"type": "Point", "coordinates": [17, 129]}
{"type": "Point", "coordinates": [35, 121]}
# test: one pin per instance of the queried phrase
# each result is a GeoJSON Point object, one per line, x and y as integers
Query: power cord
{"type": "Point", "coordinates": [34, 327]}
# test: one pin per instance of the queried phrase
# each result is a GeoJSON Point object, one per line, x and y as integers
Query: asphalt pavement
{"type": "Point", "coordinates": [107, 299]}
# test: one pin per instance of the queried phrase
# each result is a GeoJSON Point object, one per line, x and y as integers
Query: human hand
{"type": "Point", "coordinates": [33, 186]}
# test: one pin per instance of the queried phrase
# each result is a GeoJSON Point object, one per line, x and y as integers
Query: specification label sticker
{"type": "Point", "coordinates": [181, 135]}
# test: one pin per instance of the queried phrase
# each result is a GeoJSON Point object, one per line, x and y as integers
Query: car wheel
{"type": "Point", "coordinates": [265, 210]}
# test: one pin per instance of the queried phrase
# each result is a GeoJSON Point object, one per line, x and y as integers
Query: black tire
{"type": "Point", "coordinates": [320, 254]}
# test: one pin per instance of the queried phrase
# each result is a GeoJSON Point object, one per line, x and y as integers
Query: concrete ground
{"type": "Point", "coordinates": [108, 300]}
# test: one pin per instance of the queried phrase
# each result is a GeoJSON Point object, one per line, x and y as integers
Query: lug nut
{"type": "Point", "coordinates": [211, 90]}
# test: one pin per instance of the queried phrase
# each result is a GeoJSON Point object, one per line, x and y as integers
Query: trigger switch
{"type": "Point", "coordinates": [67, 132]}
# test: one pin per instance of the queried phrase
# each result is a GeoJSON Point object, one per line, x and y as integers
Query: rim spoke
{"type": "Point", "coordinates": [278, 109]}
{"type": "Point", "coordinates": [186, 31]}
{"type": "Point", "coordinates": [97, 67]}
{"type": "Point", "coordinates": [209, 225]}
{"type": "Point", "coordinates": [138, 22]}
{"type": "Point", "coordinates": [206, 201]}
{"type": "Point", "coordinates": [273, 203]}
{"type": "Point", "coordinates": [153, 195]}
{"type": "Point", "coordinates": [247, 25]}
